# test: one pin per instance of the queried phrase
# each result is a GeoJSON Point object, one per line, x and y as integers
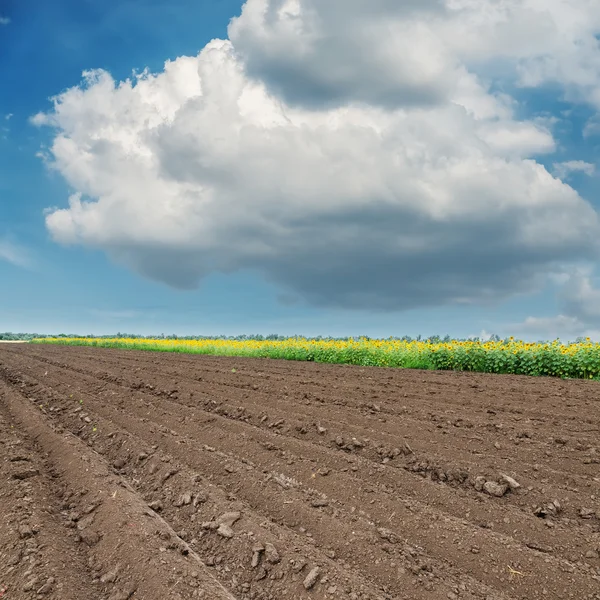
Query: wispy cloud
{"type": "Point", "coordinates": [5, 129]}
{"type": "Point", "coordinates": [579, 303]}
{"type": "Point", "coordinates": [565, 327]}
{"type": "Point", "coordinates": [4, 20]}
{"type": "Point", "coordinates": [565, 169]}
{"type": "Point", "coordinates": [15, 254]}
{"type": "Point", "coordinates": [592, 127]}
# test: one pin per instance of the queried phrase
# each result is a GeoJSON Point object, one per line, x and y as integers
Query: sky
{"type": "Point", "coordinates": [338, 167]}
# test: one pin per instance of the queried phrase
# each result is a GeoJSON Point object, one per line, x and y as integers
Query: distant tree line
{"type": "Point", "coordinates": [19, 337]}
{"type": "Point", "coordinates": [258, 337]}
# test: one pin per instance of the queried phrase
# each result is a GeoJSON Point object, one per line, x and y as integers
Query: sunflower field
{"type": "Point", "coordinates": [579, 359]}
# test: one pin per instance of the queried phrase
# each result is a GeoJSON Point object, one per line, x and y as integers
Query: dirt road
{"type": "Point", "coordinates": [150, 476]}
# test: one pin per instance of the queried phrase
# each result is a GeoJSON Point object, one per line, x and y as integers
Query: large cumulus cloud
{"type": "Point", "coordinates": [388, 52]}
{"type": "Point", "coordinates": [351, 152]}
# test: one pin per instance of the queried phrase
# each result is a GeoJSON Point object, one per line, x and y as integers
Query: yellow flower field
{"type": "Point", "coordinates": [574, 360]}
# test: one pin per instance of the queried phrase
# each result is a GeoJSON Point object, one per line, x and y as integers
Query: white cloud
{"type": "Point", "coordinates": [517, 139]}
{"type": "Point", "coordinates": [581, 299]}
{"type": "Point", "coordinates": [564, 169]}
{"type": "Point", "coordinates": [566, 328]}
{"type": "Point", "coordinates": [592, 127]}
{"type": "Point", "coordinates": [4, 20]}
{"type": "Point", "coordinates": [482, 335]}
{"type": "Point", "coordinates": [385, 51]}
{"type": "Point", "coordinates": [5, 130]}
{"type": "Point", "coordinates": [549, 328]}
{"type": "Point", "coordinates": [349, 164]}
{"type": "Point", "coordinates": [14, 254]}
{"type": "Point", "coordinates": [579, 302]}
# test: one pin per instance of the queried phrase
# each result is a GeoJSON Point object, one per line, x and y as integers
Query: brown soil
{"type": "Point", "coordinates": [137, 475]}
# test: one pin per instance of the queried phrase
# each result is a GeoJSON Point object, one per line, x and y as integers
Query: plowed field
{"type": "Point", "coordinates": [149, 476]}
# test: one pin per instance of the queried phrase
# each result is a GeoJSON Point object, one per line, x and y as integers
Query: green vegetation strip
{"type": "Point", "coordinates": [580, 359]}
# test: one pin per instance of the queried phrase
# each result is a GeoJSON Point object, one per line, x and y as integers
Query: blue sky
{"type": "Point", "coordinates": [270, 190]}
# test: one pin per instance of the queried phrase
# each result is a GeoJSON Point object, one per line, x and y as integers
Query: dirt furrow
{"type": "Point", "coordinates": [506, 444]}
{"type": "Point", "coordinates": [35, 543]}
{"type": "Point", "coordinates": [382, 442]}
{"type": "Point", "coordinates": [519, 395]}
{"type": "Point", "coordinates": [120, 538]}
{"type": "Point", "coordinates": [236, 477]}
